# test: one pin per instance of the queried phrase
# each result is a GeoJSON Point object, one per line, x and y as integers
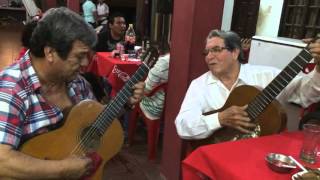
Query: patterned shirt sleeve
{"type": "Point", "coordinates": [12, 112]}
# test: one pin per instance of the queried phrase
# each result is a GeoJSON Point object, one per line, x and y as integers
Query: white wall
{"type": "Point", "coordinates": [269, 18]}
{"type": "Point", "coordinates": [276, 52]}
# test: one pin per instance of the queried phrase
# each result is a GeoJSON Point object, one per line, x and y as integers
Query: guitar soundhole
{"type": "Point", "coordinates": [90, 139]}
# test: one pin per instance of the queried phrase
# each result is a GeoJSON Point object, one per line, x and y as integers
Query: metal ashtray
{"type": "Point", "coordinates": [280, 163]}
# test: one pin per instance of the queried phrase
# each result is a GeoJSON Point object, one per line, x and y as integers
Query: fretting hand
{"type": "Point", "coordinates": [138, 91]}
{"type": "Point", "coordinates": [314, 48]}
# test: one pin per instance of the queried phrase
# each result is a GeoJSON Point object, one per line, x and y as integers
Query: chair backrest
{"type": "Point", "coordinates": [162, 86]}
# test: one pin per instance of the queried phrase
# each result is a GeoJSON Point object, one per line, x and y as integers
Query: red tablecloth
{"type": "Point", "coordinates": [116, 71]}
{"type": "Point", "coordinates": [243, 159]}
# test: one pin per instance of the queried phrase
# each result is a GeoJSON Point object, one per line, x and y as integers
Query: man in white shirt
{"type": "Point", "coordinates": [223, 55]}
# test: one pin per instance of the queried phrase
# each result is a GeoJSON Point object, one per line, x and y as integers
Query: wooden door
{"type": "Point", "coordinates": [245, 16]}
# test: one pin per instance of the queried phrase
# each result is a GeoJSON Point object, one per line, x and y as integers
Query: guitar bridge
{"type": "Point", "coordinates": [254, 134]}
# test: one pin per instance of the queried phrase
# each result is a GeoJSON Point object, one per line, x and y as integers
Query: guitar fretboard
{"type": "Point", "coordinates": [263, 99]}
{"type": "Point", "coordinates": [113, 109]}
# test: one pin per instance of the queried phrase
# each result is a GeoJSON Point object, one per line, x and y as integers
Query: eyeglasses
{"type": "Point", "coordinates": [215, 49]}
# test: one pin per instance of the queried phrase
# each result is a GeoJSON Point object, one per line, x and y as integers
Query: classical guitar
{"type": "Point", "coordinates": [262, 108]}
{"type": "Point", "coordinates": [90, 126]}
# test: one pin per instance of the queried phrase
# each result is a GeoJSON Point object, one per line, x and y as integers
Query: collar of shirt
{"type": "Point", "coordinates": [243, 78]}
{"type": "Point", "coordinates": [28, 72]}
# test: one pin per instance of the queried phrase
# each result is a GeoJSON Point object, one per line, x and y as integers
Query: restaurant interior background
{"type": "Point", "coordinates": [186, 25]}
{"type": "Point", "coordinates": [151, 18]}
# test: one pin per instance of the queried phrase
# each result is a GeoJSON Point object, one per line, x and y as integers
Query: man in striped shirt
{"type": "Point", "coordinates": [36, 90]}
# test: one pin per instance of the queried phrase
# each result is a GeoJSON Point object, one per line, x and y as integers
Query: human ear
{"type": "Point", "coordinates": [49, 53]}
{"type": "Point", "coordinates": [236, 54]}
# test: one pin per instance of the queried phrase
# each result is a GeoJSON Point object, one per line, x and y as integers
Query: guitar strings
{"type": "Point", "coordinates": [275, 87]}
{"type": "Point", "coordinates": [86, 139]}
{"type": "Point", "coordinates": [124, 92]}
{"type": "Point", "coordinates": [115, 106]}
{"type": "Point", "coordinates": [92, 129]}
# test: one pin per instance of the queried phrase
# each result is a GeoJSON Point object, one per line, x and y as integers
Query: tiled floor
{"type": "Point", "coordinates": [131, 163]}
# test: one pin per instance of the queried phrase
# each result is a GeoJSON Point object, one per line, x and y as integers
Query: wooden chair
{"type": "Point", "coordinates": [153, 126]}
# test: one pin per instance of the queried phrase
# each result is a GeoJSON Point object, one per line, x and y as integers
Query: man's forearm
{"type": "Point", "coordinates": [16, 165]}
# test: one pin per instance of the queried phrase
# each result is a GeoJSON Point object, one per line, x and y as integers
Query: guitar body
{"type": "Point", "coordinates": [272, 120]}
{"type": "Point", "coordinates": [59, 143]}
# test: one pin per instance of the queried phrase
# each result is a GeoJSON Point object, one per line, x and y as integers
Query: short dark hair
{"type": "Point", "coordinates": [27, 33]}
{"type": "Point", "coordinates": [59, 28]}
{"type": "Point", "coordinates": [113, 16]}
{"type": "Point", "coordinates": [231, 40]}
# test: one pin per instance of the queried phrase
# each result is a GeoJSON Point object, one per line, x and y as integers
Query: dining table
{"type": "Point", "coordinates": [243, 159]}
{"type": "Point", "coordinates": [116, 70]}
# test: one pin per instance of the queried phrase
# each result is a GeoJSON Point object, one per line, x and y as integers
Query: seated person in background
{"type": "Point", "coordinates": [90, 13]}
{"type": "Point", "coordinates": [35, 91]}
{"type": "Point", "coordinates": [102, 11]}
{"type": "Point", "coordinates": [223, 55]}
{"type": "Point", "coordinates": [112, 33]}
{"type": "Point", "coordinates": [152, 106]}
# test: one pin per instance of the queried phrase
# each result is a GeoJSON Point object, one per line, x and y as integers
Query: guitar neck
{"type": "Point", "coordinates": [114, 108]}
{"type": "Point", "coordinates": [263, 99]}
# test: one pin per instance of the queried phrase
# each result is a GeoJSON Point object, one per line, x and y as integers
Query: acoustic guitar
{"type": "Point", "coordinates": [90, 126]}
{"type": "Point", "coordinates": [263, 109]}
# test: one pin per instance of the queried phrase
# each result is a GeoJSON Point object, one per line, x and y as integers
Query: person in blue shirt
{"type": "Point", "coordinates": [90, 12]}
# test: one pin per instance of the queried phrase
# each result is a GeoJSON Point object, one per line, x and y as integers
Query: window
{"type": "Point", "coordinates": [299, 19]}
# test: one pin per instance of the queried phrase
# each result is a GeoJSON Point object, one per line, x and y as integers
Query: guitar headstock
{"type": "Point", "coordinates": [150, 57]}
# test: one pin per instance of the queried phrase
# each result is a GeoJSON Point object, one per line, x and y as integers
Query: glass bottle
{"type": "Point", "coordinates": [130, 40]}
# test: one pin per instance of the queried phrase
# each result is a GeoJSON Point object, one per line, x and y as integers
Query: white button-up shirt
{"type": "Point", "coordinates": [207, 93]}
